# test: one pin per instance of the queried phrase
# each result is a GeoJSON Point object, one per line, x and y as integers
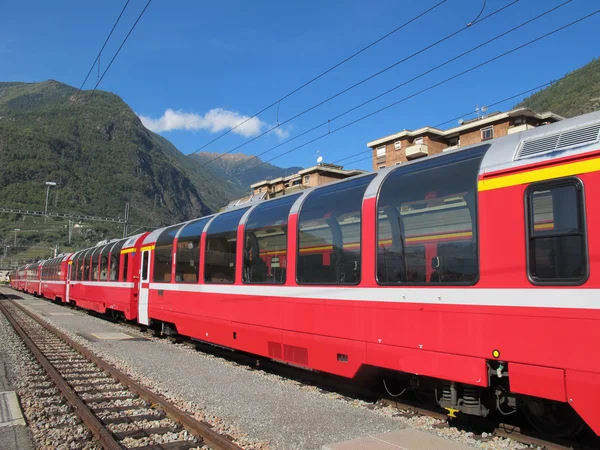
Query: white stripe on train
{"type": "Point", "coordinates": [576, 298]}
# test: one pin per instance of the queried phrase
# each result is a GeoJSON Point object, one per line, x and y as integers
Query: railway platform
{"type": "Point", "coordinates": [406, 439]}
{"type": "Point", "coordinates": [14, 433]}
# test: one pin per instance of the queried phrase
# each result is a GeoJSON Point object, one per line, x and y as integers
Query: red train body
{"type": "Point", "coordinates": [474, 274]}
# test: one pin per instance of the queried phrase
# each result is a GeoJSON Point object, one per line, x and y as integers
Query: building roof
{"type": "Point", "coordinates": [473, 123]}
{"type": "Point", "coordinates": [323, 167]}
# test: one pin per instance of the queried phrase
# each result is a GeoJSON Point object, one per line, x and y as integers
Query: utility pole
{"type": "Point", "coordinates": [126, 220]}
{"type": "Point", "coordinates": [48, 183]}
{"type": "Point", "coordinates": [16, 229]}
{"type": "Point", "coordinates": [70, 230]}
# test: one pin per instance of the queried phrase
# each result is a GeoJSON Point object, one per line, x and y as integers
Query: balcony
{"type": "Point", "coordinates": [417, 151]}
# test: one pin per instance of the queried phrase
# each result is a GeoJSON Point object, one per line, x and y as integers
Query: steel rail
{"type": "Point", "coordinates": [213, 439]}
{"type": "Point", "coordinates": [86, 415]}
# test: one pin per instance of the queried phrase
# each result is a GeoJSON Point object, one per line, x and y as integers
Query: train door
{"type": "Point", "coordinates": [144, 288]}
{"type": "Point", "coordinates": [68, 287]}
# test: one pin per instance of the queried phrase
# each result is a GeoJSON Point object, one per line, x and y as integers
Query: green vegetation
{"type": "Point", "coordinates": [575, 94]}
{"type": "Point", "coordinates": [101, 157]}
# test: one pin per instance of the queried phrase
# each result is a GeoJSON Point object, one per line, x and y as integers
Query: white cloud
{"type": "Point", "coordinates": [215, 120]}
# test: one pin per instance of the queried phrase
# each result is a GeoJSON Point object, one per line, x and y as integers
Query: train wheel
{"type": "Point", "coordinates": [554, 419]}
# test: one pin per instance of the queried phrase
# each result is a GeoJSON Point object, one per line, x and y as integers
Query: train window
{"type": "Point", "coordinates": [427, 229]}
{"type": "Point", "coordinates": [163, 254]}
{"type": "Point", "coordinates": [86, 265]}
{"type": "Point", "coordinates": [556, 233]}
{"type": "Point", "coordinates": [188, 252]}
{"type": "Point", "coordinates": [265, 252]}
{"type": "Point", "coordinates": [125, 265]}
{"type": "Point", "coordinates": [329, 227]}
{"type": "Point", "coordinates": [95, 264]}
{"type": "Point", "coordinates": [221, 246]}
{"type": "Point", "coordinates": [104, 262]}
{"type": "Point", "coordinates": [115, 257]}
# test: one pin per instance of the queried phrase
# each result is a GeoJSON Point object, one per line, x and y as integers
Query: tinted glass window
{"type": "Point", "coordinates": [104, 262]}
{"type": "Point", "coordinates": [265, 252]}
{"type": "Point", "coordinates": [126, 257]}
{"type": "Point", "coordinates": [95, 264]}
{"type": "Point", "coordinates": [145, 266]}
{"type": "Point", "coordinates": [221, 245]}
{"type": "Point", "coordinates": [427, 229]}
{"type": "Point", "coordinates": [556, 232]}
{"type": "Point", "coordinates": [188, 252]}
{"type": "Point", "coordinates": [86, 265]}
{"type": "Point", "coordinates": [329, 233]}
{"type": "Point", "coordinates": [115, 257]}
{"type": "Point", "coordinates": [163, 254]}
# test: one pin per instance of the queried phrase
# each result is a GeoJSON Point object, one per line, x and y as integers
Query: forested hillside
{"type": "Point", "coordinates": [575, 94]}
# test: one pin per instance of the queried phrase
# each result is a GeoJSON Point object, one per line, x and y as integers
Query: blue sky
{"type": "Point", "coordinates": [192, 68]}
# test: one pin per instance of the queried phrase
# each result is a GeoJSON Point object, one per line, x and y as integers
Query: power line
{"type": "Point", "coordinates": [556, 30]}
{"type": "Point", "coordinates": [541, 86]}
{"type": "Point", "coordinates": [404, 83]}
{"type": "Point", "coordinates": [100, 52]}
{"type": "Point", "coordinates": [360, 83]}
{"type": "Point", "coordinates": [313, 80]}
{"type": "Point", "coordinates": [121, 46]}
{"type": "Point", "coordinates": [418, 76]}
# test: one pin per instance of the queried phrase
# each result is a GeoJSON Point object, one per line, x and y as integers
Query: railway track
{"type": "Point", "coordinates": [118, 411]}
{"type": "Point", "coordinates": [406, 408]}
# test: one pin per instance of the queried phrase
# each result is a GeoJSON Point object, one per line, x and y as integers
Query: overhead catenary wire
{"type": "Point", "coordinates": [468, 113]}
{"type": "Point", "coordinates": [364, 80]}
{"type": "Point", "coordinates": [120, 47]}
{"type": "Point", "coordinates": [422, 74]}
{"type": "Point", "coordinates": [362, 152]}
{"type": "Point", "coordinates": [312, 80]}
{"type": "Point", "coordinates": [431, 87]}
{"type": "Point", "coordinates": [102, 49]}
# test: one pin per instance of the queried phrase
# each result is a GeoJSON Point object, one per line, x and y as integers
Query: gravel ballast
{"type": "Point", "coordinates": [259, 410]}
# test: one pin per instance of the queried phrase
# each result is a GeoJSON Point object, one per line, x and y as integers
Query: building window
{"type": "Point", "coordinates": [296, 182]}
{"type": "Point", "coordinates": [397, 163]}
{"type": "Point", "coordinates": [382, 166]}
{"type": "Point", "coordinates": [163, 254]}
{"type": "Point", "coordinates": [221, 248]}
{"type": "Point", "coordinates": [187, 258]}
{"type": "Point", "coordinates": [329, 230]}
{"type": "Point", "coordinates": [556, 232]}
{"type": "Point", "coordinates": [380, 152]}
{"type": "Point", "coordinates": [306, 179]}
{"type": "Point", "coordinates": [427, 222]}
{"type": "Point", "coordinates": [397, 145]}
{"type": "Point", "coordinates": [487, 133]}
{"type": "Point", "coordinates": [265, 252]}
{"type": "Point", "coordinates": [419, 141]}
{"type": "Point", "coordinates": [454, 141]}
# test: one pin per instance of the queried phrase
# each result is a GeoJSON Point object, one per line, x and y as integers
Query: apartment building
{"type": "Point", "coordinates": [408, 144]}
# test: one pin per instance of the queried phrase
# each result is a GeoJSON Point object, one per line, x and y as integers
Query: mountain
{"type": "Point", "coordinates": [234, 167]}
{"type": "Point", "coordinates": [100, 155]}
{"type": "Point", "coordinates": [576, 93]}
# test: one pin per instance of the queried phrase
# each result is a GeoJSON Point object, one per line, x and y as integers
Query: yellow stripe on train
{"type": "Point", "coordinates": [548, 173]}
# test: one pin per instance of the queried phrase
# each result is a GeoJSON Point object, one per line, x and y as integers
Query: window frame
{"type": "Point", "coordinates": [295, 198]}
{"type": "Point", "coordinates": [208, 228]}
{"type": "Point", "coordinates": [419, 166]}
{"type": "Point", "coordinates": [206, 220]}
{"type": "Point", "coordinates": [370, 177]}
{"type": "Point", "coordinates": [530, 236]}
{"type": "Point", "coordinates": [397, 145]}
{"type": "Point", "coordinates": [484, 129]}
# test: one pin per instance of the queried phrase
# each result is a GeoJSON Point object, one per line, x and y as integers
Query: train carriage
{"type": "Point", "coordinates": [472, 276]}
{"type": "Point", "coordinates": [53, 275]}
{"type": "Point", "coordinates": [104, 278]}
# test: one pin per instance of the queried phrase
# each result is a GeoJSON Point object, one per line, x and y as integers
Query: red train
{"type": "Point", "coordinates": [473, 276]}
